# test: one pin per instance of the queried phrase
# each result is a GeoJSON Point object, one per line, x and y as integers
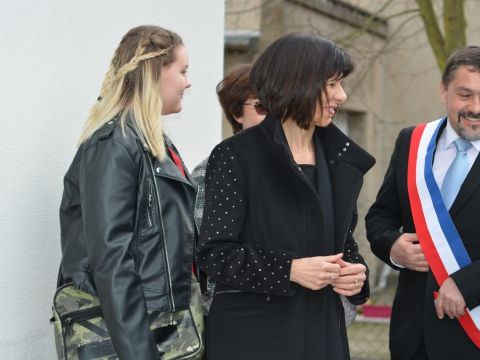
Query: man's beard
{"type": "Point", "coordinates": [472, 132]}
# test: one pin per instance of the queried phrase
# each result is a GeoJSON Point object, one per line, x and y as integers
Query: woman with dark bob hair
{"type": "Point", "coordinates": [280, 213]}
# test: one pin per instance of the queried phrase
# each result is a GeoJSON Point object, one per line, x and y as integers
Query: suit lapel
{"type": "Point", "coordinates": [470, 184]}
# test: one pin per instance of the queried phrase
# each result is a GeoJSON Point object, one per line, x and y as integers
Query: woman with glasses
{"type": "Point", "coordinates": [242, 110]}
{"type": "Point", "coordinates": [280, 210]}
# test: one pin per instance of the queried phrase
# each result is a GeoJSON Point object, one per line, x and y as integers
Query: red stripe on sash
{"type": "Point", "coordinates": [424, 237]}
{"type": "Point", "coordinates": [470, 328]}
{"type": "Point", "coordinates": [423, 234]}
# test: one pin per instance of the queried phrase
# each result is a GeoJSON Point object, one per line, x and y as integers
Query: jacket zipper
{"type": "Point", "coordinates": [150, 200]}
{"type": "Point", "coordinates": [169, 275]}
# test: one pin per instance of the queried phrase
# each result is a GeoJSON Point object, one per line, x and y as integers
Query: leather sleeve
{"type": "Point", "coordinates": [384, 218]}
{"type": "Point", "coordinates": [108, 188]}
{"type": "Point", "coordinates": [351, 255]}
{"type": "Point", "coordinates": [222, 253]}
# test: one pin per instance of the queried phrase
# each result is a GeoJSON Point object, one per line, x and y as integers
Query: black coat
{"type": "Point", "coordinates": [413, 308]}
{"type": "Point", "coordinates": [128, 234]}
{"type": "Point", "coordinates": [261, 213]}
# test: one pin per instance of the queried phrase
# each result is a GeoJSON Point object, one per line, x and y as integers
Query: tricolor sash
{"type": "Point", "coordinates": [438, 237]}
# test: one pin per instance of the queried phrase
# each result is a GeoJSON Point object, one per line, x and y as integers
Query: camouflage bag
{"type": "Point", "coordinates": [81, 332]}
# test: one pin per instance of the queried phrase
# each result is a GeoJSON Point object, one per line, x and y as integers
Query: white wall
{"type": "Point", "coordinates": [54, 54]}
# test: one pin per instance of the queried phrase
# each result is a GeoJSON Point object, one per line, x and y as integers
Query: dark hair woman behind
{"type": "Point", "coordinates": [280, 213]}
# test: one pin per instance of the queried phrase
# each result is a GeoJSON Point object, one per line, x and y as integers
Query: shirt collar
{"type": "Point", "coordinates": [450, 136]}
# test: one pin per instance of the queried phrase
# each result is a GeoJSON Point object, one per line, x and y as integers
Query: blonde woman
{"type": "Point", "coordinates": [127, 209]}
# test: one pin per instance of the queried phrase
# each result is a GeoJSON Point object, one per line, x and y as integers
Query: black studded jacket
{"type": "Point", "coordinates": [127, 233]}
{"type": "Point", "coordinates": [260, 212]}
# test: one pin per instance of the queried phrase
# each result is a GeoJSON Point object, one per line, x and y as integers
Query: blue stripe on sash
{"type": "Point", "coordinates": [446, 223]}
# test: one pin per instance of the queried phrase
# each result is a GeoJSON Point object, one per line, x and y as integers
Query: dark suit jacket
{"type": "Point", "coordinates": [260, 213]}
{"type": "Point", "coordinates": [413, 308]}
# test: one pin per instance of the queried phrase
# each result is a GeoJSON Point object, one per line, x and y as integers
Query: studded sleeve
{"type": "Point", "coordinates": [351, 255]}
{"type": "Point", "coordinates": [223, 254]}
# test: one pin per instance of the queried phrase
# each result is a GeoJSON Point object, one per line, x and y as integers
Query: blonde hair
{"type": "Point", "coordinates": [131, 87]}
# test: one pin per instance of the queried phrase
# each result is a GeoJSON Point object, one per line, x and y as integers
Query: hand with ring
{"type": "Point", "coordinates": [315, 272]}
{"type": "Point", "coordinates": [351, 278]}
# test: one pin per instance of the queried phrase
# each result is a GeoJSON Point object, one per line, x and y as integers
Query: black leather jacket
{"type": "Point", "coordinates": [127, 233]}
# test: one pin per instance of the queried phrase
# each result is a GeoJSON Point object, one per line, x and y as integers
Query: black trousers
{"type": "Point", "coordinates": [420, 353]}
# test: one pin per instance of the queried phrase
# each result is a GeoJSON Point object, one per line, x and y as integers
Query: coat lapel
{"type": "Point", "coordinates": [348, 163]}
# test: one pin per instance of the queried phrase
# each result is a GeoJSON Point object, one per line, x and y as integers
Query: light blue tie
{"type": "Point", "coordinates": [456, 173]}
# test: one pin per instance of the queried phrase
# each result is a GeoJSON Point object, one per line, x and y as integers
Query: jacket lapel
{"type": "Point", "coordinates": [348, 163]}
{"type": "Point", "coordinates": [188, 178]}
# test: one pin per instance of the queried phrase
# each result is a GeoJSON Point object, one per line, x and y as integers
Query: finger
{"type": "Point", "coordinates": [343, 292]}
{"type": "Point", "coordinates": [332, 258]}
{"type": "Point", "coordinates": [420, 261]}
{"type": "Point", "coordinates": [347, 292]}
{"type": "Point", "coordinates": [329, 267]}
{"type": "Point", "coordinates": [353, 269]}
{"type": "Point", "coordinates": [347, 286]}
{"type": "Point", "coordinates": [439, 307]}
{"type": "Point", "coordinates": [410, 237]}
{"type": "Point", "coordinates": [420, 264]}
{"type": "Point", "coordinates": [419, 268]}
{"type": "Point", "coordinates": [342, 263]}
{"type": "Point", "coordinates": [416, 250]}
{"type": "Point", "coordinates": [329, 277]}
{"type": "Point", "coordinates": [347, 279]}
{"type": "Point", "coordinates": [350, 282]}
{"type": "Point", "coordinates": [456, 311]}
{"type": "Point", "coordinates": [420, 257]}
{"type": "Point", "coordinates": [446, 308]}
{"type": "Point", "coordinates": [450, 311]}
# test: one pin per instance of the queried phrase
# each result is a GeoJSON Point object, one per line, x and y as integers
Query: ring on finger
{"type": "Point", "coordinates": [333, 276]}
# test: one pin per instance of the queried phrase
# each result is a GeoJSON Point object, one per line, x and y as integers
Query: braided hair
{"type": "Point", "coordinates": [131, 85]}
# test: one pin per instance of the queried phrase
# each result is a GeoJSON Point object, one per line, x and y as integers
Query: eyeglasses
{"type": "Point", "coordinates": [258, 107]}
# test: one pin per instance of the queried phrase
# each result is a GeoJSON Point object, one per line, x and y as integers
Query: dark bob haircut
{"type": "Point", "coordinates": [469, 57]}
{"type": "Point", "coordinates": [233, 91]}
{"type": "Point", "coordinates": [291, 74]}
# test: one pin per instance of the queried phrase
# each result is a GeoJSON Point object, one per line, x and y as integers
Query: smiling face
{"type": "Point", "coordinates": [174, 81]}
{"type": "Point", "coordinates": [462, 99]}
{"type": "Point", "coordinates": [332, 98]}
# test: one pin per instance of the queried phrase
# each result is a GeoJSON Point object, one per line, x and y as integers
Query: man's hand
{"type": "Point", "coordinates": [351, 278]}
{"type": "Point", "coordinates": [406, 251]}
{"type": "Point", "coordinates": [315, 272]}
{"type": "Point", "coordinates": [449, 301]}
